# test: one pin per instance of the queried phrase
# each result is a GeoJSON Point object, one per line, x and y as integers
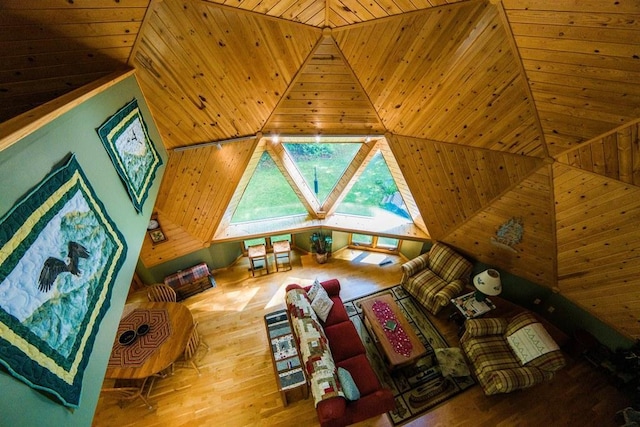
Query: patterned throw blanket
{"type": "Point", "coordinates": [314, 347]}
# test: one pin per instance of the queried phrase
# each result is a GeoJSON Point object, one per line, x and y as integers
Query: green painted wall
{"type": "Point", "coordinates": [22, 166]}
{"type": "Point", "coordinates": [216, 256]}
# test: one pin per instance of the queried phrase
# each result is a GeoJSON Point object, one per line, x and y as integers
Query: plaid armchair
{"type": "Point", "coordinates": [435, 277]}
{"type": "Point", "coordinates": [495, 361]}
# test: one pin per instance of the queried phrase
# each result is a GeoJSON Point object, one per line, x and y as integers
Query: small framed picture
{"type": "Point", "coordinates": [157, 236]}
{"type": "Point", "coordinates": [155, 232]}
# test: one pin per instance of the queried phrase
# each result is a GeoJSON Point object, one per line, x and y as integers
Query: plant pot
{"type": "Point", "coordinates": [322, 258]}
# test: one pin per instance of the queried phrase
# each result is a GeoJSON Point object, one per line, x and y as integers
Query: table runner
{"type": "Point", "coordinates": [398, 337]}
{"type": "Point", "coordinates": [134, 355]}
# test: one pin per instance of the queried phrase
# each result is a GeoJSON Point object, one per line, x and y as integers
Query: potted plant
{"type": "Point", "coordinates": [321, 246]}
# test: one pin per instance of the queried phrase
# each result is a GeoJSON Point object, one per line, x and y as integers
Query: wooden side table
{"type": "Point", "coordinates": [290, 376]}
{"type": "Point", "coordinates": [470, 308]}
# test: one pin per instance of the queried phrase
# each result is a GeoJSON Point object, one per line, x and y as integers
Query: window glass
{"type": "Point", "coordinates": [280, 237]}
{"type": "Point", "coordinates": [257, 241]}
{"type": "Point", "coordinates": [361, 239]}
{"type": "Point", "coordinates": [388, 243]}
{"type": "Point", "coordinates": [268, 195]}
{"type": "Point", "coordinates": [322, 164]}
{"type": "Point", "coordinates": [375, 194]}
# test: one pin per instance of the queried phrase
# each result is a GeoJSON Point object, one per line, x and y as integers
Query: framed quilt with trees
{"type": "Point", "coordinates": [126, 139]}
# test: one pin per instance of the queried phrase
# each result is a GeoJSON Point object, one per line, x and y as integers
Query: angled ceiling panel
{"type": "Point", "coordinates": [615, 155]}
{"type": "Point", "coordinates": [598, 247]}
{"type": "Point", "coordinates": [582, 60]}
{"type": "Point", "coordinates": [325, 97]}
{"type": "Point", "coordinates": [199, 182]}
{"type": "Point", "coordinates": [222, 72]}
{"type": "Point", "coordinates": [534, 257]}
{"type": "Point", "coordinates": [451, 183]}
{"type": "Point", "coordinates": [310, 12]}
{"type": "Point", "coordinates": [49, 49]}
{"type": "Point", "coordinates": [446, 74]}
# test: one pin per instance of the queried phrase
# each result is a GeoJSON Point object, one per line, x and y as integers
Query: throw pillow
{"type": "Point", "coordinates": [349, 387]}
{"type": "Point", "coordinates": [313, 290]}
{"type": "Point", "coordinates": [322, 304]}
{"type": "Point", "coordinates": [452, 362]}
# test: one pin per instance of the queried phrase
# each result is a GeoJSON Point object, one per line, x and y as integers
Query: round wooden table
{"type": "Point", "coordinates": [171, 326]}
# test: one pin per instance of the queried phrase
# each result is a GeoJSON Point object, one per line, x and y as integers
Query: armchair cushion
{"type": "Point", "coordinates": [447, 263]}
{"type": "Point", "coordinates": [508, 380]}
{"type": "Point", "coordinates": [488, 326]}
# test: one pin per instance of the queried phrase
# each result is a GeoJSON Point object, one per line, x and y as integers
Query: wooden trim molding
{"type": "Point", "coordinates": [19, 127]}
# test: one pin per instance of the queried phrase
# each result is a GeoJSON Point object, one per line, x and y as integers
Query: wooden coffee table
{"type": "Point", "coordinates": [394, 359]}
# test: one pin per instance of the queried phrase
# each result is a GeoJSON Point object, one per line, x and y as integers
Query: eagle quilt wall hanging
{"type": "Point", "coordinates": [126, 139]}
{"type": "Point", "coordinates": [59, 256]}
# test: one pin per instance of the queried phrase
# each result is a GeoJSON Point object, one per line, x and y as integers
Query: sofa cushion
{"type": "Point", "coordinates": [338, 313]}
{"type": "Point", "coordinates": [362, 373]}
{"type": "Point", "coordinates": [344, 341]}
{"type": "Point", "coordinates": [322, 304]}
{"type": "Point", "coordinates": [349, 386]}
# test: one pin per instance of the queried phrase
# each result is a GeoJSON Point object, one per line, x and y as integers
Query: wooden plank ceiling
{"type": "Point", "coordinates": [492, 109]}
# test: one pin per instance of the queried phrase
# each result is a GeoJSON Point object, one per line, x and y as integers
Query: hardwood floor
{"type": "Point", "coordinates": [237, 383]}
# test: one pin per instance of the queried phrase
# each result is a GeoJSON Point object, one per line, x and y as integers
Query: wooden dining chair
{"type": "Point", "coordinates": [161, 293]}
{"type": "Point", "coordinates": [193, 345]}
{"type": "Point", "coordinates": [125, 391]}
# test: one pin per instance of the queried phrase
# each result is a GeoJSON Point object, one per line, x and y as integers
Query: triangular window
{"type": "Point", "coordinates": [322, 164]}
{"type": "Point", "coordinates": [268, 195]}
{"type": "Point", "coordinates": [375, 194]}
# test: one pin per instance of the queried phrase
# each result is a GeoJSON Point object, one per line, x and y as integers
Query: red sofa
{"type": "Point", "coordinates": [349, 353]}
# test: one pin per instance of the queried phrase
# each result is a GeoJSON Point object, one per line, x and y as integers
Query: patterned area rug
{"type": "Point", "coordinates": [419, 387]}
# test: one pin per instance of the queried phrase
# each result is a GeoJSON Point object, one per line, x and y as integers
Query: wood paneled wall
{"type": "Point", "coordinates": [325, 97]}
{"type": "Point", "coordinates": [214, 74]}
{"type": "Point", "coordinates": [198, 183]}
{"type": "Point", "coordinates": [582, 60]}
{"type": "Point", "coordinates": [331, 13]}
{"type": "Point", "coordinates": [446, 75]}
{"type": "Point", "coordinates": [615, 154]}
{"type": "Point", "coordinates": [532, 201]}
{"type": "Point", "coordinates": [51, 47]}
{"type": "Point", "coordinates": [599, 245]}
{"type": "Point", "coordinates": [451, 183]}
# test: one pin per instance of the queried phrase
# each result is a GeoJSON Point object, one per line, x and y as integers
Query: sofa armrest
{"type": "Point", "coordinates": [452, 289]}
{"type": "Point", "coordinates": [484, 326]}
{"type": "Point", "coordinates": [332, 286]}
{"type": "Point", "coordinates": [331, 409]}
{"type": "Point", "coordinates": [410, 268]}
{"type": "Point", "coordinates": [508, 380]}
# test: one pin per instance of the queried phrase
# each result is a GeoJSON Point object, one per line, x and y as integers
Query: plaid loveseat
{"type": "Point", "coordinates": [435, 277]}
{"type": "Point", "coordinates": [494, 362]}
